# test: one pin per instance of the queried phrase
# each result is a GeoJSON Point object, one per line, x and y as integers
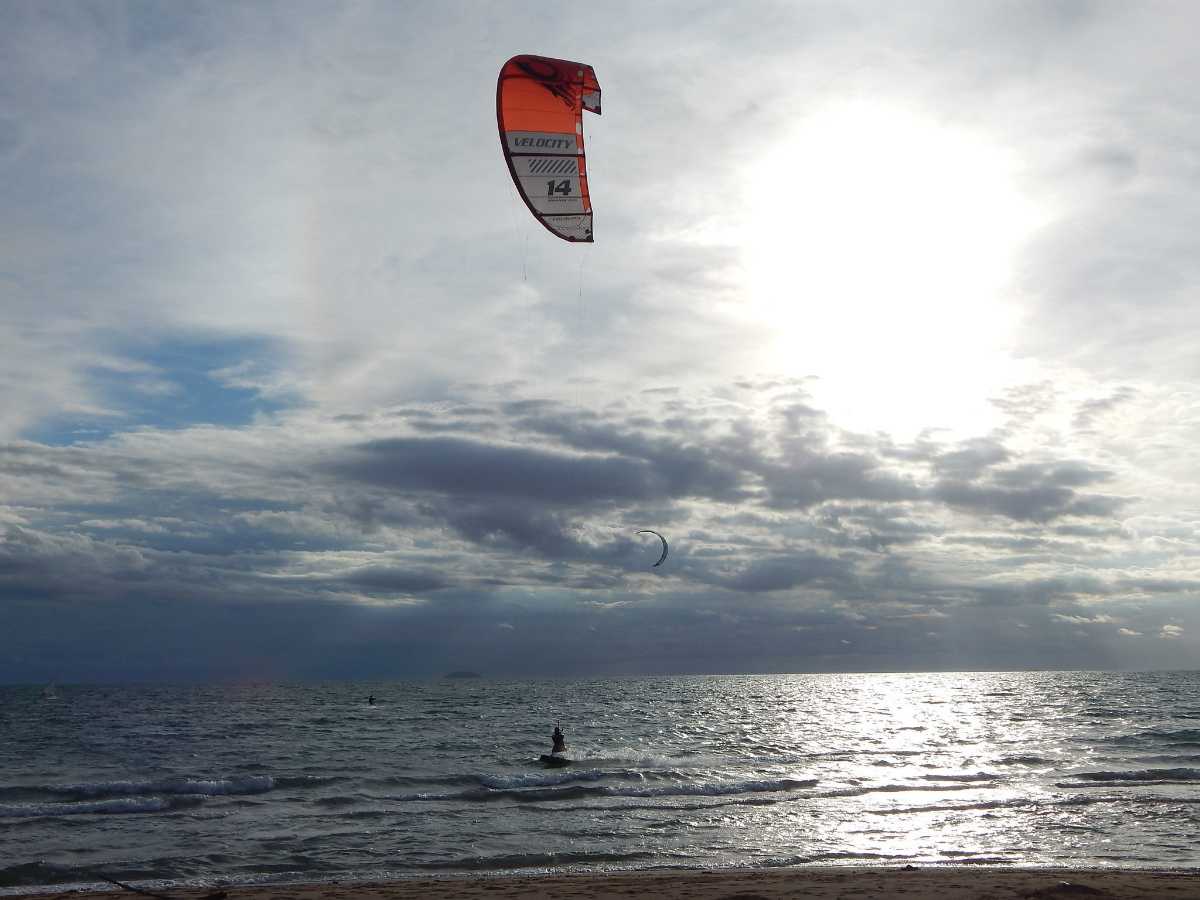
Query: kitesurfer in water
{"type": "Point", "coordinates": [560, 741]}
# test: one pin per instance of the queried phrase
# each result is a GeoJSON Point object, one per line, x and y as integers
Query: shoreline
{"type": "Point", "coordinates": [818, 882]}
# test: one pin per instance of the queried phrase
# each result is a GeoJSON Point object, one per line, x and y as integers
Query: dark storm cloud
{"type": "Point", "coordinates": [970, 460]}
{"type": "Point", "coordinates": [156, 632]}
{"type": "Point", "coordinates": [780, 573]}
{"type": "Point", "coordinates": [688, 460]}
{"type": "Point", "coordinates": [526, 487]}
{"type": "Point", "coordinates": [807, 480]}
{"type": "Point", "coordinates": [385, 580]}
{"type": "Point", "coordinates": [45, 563]}
{"type": "Point", "coordinates": [474, 468]}
{"type": "Point", "coordinates": [1037, 492]}
{"type": "Point", "coordinates": [773, 522]}
{"type": "Point", "coordinates": [1035, 503]}
{"type": "Point", "coordinates": [1041, 591]}
{"type": "Point", "coordinates": [982, 475]}
{"type": "Point", "coordinates": [520, 526]}
{"type": "Point", "coordinates": [800, 466]}
{"type": "Point", "coordinates": [506, 490]}
{"type": "Point", "coordinates": [1069, 473]}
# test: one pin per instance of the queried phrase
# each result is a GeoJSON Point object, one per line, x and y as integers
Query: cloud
{"type": "Point", "coordinates": [1091, 410]}
{"type": "Point", "coordinates": [381, 579]}
{"type": "Point", "coordinates": [452, 517]}
{"type": "Point", "coordinates": [1033, 492]}
{"type": "Point", "coordinates": [784, 573]}
{"type": "Point", "coordinates": [476, 469]}
{"type": "Point", "coordinates": [287, 364]}
{"type": "Point", "coordinates": [1085, 620]}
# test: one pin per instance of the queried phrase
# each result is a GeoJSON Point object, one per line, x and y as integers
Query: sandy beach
{"type": "Point", "coordinates": [956, 883]}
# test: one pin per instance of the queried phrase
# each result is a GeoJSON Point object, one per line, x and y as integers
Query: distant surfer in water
{"type": "Point", "coordinates": [560, 741]}
{"type": "Point", "coordinates": [371, 700]}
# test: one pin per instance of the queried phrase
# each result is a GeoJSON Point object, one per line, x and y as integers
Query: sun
{"type": "Point", "coordinates": [879, 248]}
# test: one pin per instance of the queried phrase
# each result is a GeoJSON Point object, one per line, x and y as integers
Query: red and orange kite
{"type": "Point", "coordinates": [539, 108]}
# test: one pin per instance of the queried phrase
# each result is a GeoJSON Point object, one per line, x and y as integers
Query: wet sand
{"type": "Point", "coordinates": [951, 883]}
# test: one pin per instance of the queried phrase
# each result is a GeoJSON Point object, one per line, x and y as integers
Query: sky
{"type": "Point", "coordinates": [889, 326]}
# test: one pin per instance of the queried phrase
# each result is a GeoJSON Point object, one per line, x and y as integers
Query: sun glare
{"type": "Point", "coordinates": [878, 246]}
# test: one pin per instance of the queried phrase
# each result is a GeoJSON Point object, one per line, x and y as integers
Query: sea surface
{"type": "Point", "coordinates": [205, 785]}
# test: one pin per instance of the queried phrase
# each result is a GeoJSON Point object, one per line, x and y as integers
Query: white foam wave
{"type": "Point", "coordinates": [534, 779]}
{"type": "Point", "coordinates": [1134, 778]}
{"type": "Point", "coordinates": [208, 787]}
{"type": "Point", "coordinates": [642, 760]}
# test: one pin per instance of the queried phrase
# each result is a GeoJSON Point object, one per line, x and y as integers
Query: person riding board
{"type": "Point", "coordinates": [560, 741]}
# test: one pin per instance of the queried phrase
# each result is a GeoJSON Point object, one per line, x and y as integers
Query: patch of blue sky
{"type": "Point", "coordinates": [172, 384]}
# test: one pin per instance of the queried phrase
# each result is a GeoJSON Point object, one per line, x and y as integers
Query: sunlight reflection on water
{"type": "Point", "coordinates": [309, 781]}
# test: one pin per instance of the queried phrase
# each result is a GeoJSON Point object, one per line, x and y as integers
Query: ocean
{"type": "Point", "coordinates": [248, 783]}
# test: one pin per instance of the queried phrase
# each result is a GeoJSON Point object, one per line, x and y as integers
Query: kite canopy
{"type": "Point", "coordinates": [664, 545]}
{"type": "Point", "coordinates": [539, 109]}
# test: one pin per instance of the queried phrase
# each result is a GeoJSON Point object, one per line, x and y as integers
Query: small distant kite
{"type": "Point", "coordinates": [664, 543]}
{"type": "Point", "coordinates": [539, 110]}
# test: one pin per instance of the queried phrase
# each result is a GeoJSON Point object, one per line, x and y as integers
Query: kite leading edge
{"type": "Point", "coordinates": [664, 545]}
{"type": "Point", "coordinates": [539, 111]}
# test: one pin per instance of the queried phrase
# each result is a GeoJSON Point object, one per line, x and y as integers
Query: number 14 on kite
{"type": "Point", "coordinates": [539, 110]}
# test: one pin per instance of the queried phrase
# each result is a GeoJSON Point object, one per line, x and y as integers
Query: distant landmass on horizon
{"type": "Point", "coordinates": [463, 674]}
